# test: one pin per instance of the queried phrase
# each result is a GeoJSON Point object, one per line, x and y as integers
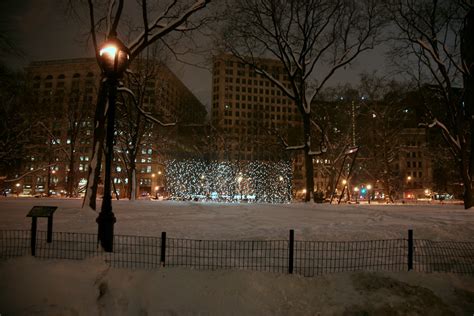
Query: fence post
{"type": "Point", "coordinates": [163, 249]}
{"type": "Point", "coordinates": [291, 251]}
{"type": "Point", "coordinates": [49, 237]}
{"type": "Point", "coordinates": [410, 249]}
{"type": "Point", "coordinates": [33, 235]}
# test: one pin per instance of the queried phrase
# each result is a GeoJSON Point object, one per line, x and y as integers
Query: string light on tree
{"type": "Point", "coordinates": [255, 181]}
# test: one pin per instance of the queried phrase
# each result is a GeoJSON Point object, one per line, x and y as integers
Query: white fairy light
{"type": "Point", "coordinates": [255, 181]}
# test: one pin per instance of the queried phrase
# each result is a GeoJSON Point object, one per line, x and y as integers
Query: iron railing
{"type": "Point", "coordinates": [308, 258]}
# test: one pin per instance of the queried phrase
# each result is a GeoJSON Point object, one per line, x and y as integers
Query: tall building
{"type": "Point", "coordinates": [415, 164]}
{"type": "Point", "coordinates": [66, 93]}
{"type": "Point", "coordinates": [253, 116]}
{"type": "Point", "coordinates": [249, 111]}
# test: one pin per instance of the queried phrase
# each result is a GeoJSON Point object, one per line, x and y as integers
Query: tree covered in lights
{"type": "Point", "coordinates": [253, 181]}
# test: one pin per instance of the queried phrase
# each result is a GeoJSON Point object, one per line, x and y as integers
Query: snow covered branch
{"type": "Point", "coordinates": [454, 141]}
{"type": "Point", "coordinates": [39, 169]}
{"type": "Point", "coordinates": [158, 29]}
{"type": "Point", "coordinates": [141, 110]}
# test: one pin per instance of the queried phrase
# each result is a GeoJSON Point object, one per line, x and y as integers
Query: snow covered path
{"type": "Point", "coordinates": [197, 220]}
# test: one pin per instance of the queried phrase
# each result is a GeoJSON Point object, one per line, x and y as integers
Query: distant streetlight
{"type": "Point", "coordinates": [113, 60]}
{"type": "Point", "coordinates": [369, 187]}
{"type": "Point", "coordinates": [427, 192]}
{"type": "Point", "coordinates": [17, 189]}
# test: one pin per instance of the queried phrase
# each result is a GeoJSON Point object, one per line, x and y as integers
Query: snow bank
{"type": "Point", "coordinates": [90, 287]}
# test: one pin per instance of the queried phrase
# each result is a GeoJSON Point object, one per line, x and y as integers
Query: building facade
{"type": "Point", "coordinates": [254, 116]}
{"type": "Point", "coordinates": [65, 93]}
{"type": "Point", "coordinates": [249, 110]}
{"type": "Point", "coordinates": [415, 164]}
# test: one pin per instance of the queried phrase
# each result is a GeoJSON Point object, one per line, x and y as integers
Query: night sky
{"type": "Point", "coordinates": [44, 30]}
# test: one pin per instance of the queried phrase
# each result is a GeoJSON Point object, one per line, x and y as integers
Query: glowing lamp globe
{"type": "Point", "coordinates": [113, 57]}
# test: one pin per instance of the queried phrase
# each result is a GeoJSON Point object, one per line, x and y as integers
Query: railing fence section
{"type": "Point", "coordinates": [308, 258]}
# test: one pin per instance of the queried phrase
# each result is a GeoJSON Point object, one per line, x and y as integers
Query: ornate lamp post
{"type": "Point", "coordinates": [113, 60]}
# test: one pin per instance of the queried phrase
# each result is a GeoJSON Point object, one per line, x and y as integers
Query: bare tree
{"type": "Point", "coordinates": [311, 38]}
{"type": "Point", "coordinates": [383, 116]}
{"type": "Point", "coordinates": [78, 111]}
{"type": "Point", "coordinates": [436, 37]}
{"type": "Point", "coordinates": [333, 121]}
{"type": "Point", "coordinates": [133, 127]}
{"type": "Point", "coordinates": [158, 21]}
{"type": "Point", "coordinates": [15, 123]}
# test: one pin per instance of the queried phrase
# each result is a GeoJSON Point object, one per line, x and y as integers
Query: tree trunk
{"type": "Point", "coordinates": [467, 54]}
{"type": "Point", "coordinates": [466, 179]}
{"type": "Point", "coordinates": [133, 196]}
{"type": "Point", "coordinates": [71, 172]}
{"type": "Point", "coordinates": [97, 149]}
{"type": "Point", "coordinates": [308, 159]}
{"type": "Point", "coordinates": [48, 182]}
{"type": "Point", "coordinates": [332, 181]}
{"type": "Point", "coordinates": [387, 187]}
{"type": "Point", "coordinates": [132, 179]}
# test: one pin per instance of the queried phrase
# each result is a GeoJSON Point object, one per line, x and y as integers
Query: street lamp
{"type": "Point", "coordinates": [113, 60]}
{"type": "Point", "coordinates": [369, 187]}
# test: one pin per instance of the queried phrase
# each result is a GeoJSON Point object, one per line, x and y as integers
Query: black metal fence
{"type": "Point", "coordinates": [308, 258]}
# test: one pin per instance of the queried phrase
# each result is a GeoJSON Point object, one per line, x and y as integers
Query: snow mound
{"type": "Point", "coordinates": [90, 287]}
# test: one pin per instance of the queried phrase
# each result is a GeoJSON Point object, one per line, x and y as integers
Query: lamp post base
{"type": "Point", "coordinates": [106, 221]}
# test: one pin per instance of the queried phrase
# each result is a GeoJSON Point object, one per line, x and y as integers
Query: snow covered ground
{"type": "Point", "coordinates": [90, 287]}
{"type": "Point", "coordinates": [197, 220]}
